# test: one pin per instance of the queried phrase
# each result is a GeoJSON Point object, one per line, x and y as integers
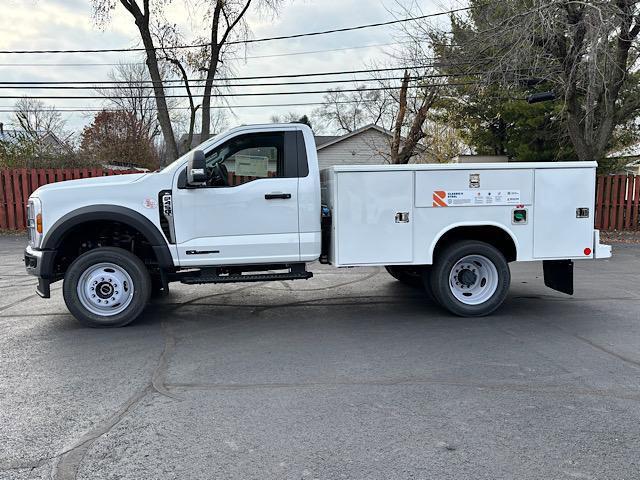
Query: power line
{"type": "Point", "coordinates": [10, 109]}
{"type": "Point", "coordinates": [224, 95]}
{"type": "Point", "coordinates": [256, 77]}
{"type": "Point", "coordinates": [216, 107]}
{"type": "Point", "coordinates": [137, 86]}
{"type": "Point", "coordinates": [248, 41]}
{"type": "Point", "coordinates": [249, 57]}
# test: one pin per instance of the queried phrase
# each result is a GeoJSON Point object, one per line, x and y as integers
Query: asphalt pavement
{"type": "Point", "coordinates": [349, 375]}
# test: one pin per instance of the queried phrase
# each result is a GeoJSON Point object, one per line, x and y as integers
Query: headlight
{"type": "Point", "coordinates": [34, 222]}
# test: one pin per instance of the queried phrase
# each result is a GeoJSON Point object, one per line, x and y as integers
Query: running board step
{"type": "Point", "coordinates": [261, 277]}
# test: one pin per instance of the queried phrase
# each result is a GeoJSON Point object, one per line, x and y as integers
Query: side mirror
{"type": "Point", "coordinates": [197, 169]}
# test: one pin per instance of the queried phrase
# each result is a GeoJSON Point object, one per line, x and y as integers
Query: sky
{"type": "Point", "coordinates": [69, 24]}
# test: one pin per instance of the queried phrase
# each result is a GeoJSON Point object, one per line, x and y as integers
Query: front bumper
{"type": "Point", "coordinates": [39, 263]}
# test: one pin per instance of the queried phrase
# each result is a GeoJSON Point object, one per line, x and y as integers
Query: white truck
{"type": "Point", "coordinates": [251, 205]}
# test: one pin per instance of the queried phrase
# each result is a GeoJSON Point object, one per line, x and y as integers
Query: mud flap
{"type": "Point", "coordinates": [558, 275]}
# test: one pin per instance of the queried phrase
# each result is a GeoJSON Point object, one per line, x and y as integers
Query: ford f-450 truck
{"type": "Point", "coordinates": [251, 205]}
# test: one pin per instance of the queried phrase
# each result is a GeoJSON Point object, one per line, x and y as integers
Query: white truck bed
{"type": "Point", "coordinates": [395, 214]}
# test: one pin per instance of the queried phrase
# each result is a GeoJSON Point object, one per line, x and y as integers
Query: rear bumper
{"type": "Point", "coordinates": [600, 250]}
{"type": "Point", "coordinates": [39, 263]}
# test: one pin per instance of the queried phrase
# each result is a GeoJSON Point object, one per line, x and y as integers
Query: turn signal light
{"type": "Point", "coordinates": [587, 251]}
{"type": "Point", "coordinates": [39, 223]}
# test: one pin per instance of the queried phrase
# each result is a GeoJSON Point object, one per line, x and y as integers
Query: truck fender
{"type": "Point", "coordinates": [453, 226]}
{"type": "Point", "coordinates": [127, 216]}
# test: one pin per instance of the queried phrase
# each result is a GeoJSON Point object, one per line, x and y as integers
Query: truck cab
{"type": "Point", "coordinates": [258, 201]}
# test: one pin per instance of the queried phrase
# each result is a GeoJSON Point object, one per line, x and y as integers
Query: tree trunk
{"type": "Point", "coordinates": [158, 88]}
{"type": "Point", "coordinates": [402, 111]}
{"type": "Point", "coordinates": [206, 95]}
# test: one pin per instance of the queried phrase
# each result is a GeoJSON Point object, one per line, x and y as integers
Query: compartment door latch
{"type": "Point", "coordinates": [402, 217]}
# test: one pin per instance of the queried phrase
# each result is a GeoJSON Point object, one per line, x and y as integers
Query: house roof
{"type": "Point", "coordinates": [360, 130]}
{"type": "Point", "coordinates": [8, 136]}
{"type": "Point", "coordinates": [12, 136]}
{"type": "Point", "coordinates": [332, 140]}
{"type": "Point", "coordinates": [195, 141]}
{"type": "Point", "coordinates": [324, 139]}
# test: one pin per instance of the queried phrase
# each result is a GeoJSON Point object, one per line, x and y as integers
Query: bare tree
{"type": "Point", "coordinates": [403, 110]}
{"type": "Point", "coordinates": [132, 93]}
{"type": "Point", "coordinates": [37, 120]}
{"type": "Point", "coordinates": [403, 148]}
{"type": "Point", "coordinates": [586, 51]}
{"type": "Point", "coordinates": [39, 138]}
{"type": "Point", "coordinates": [169, 37]}
{"type": "Point", "coordinates": [227, 26]}
{"type": "Point", "coordinates": [344, 112]}
{"type": "Point", "coordinates": [142, 12]}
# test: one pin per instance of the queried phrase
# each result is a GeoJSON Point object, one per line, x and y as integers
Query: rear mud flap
{"type": "Point", "coordinates": [558, 275]}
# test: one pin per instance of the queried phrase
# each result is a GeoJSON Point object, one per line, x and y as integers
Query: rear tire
{"type": "Point", "coordinates": [426, 284]}
{"type": "Point", "coordinates": [417, 277]}
{"type": "Point", "coordinates": [407, 275]}
{"type": "Point", "coordinates": [470, 278]}
{"type": "Point", "coordinates": [106, 287]}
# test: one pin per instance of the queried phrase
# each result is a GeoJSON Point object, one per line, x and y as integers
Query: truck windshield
{"type": "Point", "coordinates": [203, 146]}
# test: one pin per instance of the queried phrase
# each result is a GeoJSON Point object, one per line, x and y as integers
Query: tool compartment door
{"type": "Point", "coordinates": [558, 233]}
{"type": "Point", "coordinates": [368, 204]}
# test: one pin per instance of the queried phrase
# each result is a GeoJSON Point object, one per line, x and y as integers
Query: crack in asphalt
{"type": "Point", "coordinates": [635, 364]}
{"type": "Point", "coordinates": [308, 303]}
{"type": "Point", "coordinates": [160, 373]}
{"type": "Point", "coordinates": [17, 302]}
{"type": "Point", "coordinates": [70, 460]}
{"type": "Point", "coordinates": [561, 390]}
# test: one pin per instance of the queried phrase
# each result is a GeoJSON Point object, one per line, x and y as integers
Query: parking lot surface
{"type": "Point", "coordinates": [349, 375]}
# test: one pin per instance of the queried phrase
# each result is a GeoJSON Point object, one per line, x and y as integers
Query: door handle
{"type": "Point", "coordinates": [273, 196]}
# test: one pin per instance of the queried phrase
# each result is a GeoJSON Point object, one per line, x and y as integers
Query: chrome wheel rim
{"type": "Point", "coordinates": [105, 289]}
{"type": "Point", "coordinates": [473, 280]}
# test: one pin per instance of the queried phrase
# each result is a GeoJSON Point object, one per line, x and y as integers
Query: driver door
{"type": "Point", "coordinates": [248, 212]}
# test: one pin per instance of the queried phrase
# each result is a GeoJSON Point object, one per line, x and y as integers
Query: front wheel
{"type": "Point", "coordinates": [106, 287]}
{"type": "Point", "coordinates": [470, 278]}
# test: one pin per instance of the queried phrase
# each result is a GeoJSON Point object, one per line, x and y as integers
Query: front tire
{"type": "Point", "coordinates": [470, 278]}
{"type": "Point", "coordinates": [106, 287]}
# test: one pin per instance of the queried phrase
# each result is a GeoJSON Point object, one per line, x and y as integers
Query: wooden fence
{"type": "Point", "coordinates": [617, 196]}
{"type": "Point", "coordinates": [17, 184]}
{"type": "Point", "coordinates": [618, 202]}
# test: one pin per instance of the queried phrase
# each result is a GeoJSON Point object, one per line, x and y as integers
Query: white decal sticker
{"type": "Point", "coordinates": [252, 165]}
{"type": "Point", "coordinates": [475, 198]}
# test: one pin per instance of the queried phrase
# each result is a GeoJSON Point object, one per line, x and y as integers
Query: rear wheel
{"type": "Point", "coordinates": [417, 277]}
{"type": "Point", "coordinates": [407, 275]}
{"type": "Point", "coordinates": [106, 287]}
{"type": "Point", "coordinates": [470, 278]}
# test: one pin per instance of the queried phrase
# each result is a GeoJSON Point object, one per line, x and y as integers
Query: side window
{"type": "Point", "coordinates": [246, 158]}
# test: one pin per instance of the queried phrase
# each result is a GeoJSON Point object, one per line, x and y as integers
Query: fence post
{"type": "Point", "coordinates": [599, 194]}
{"type": "Point", "coordinates": [636, 200]}
{"type": "Point", "coordinates": [17, 198]}
{"type": "Point", "coordinates": [4, 203]}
